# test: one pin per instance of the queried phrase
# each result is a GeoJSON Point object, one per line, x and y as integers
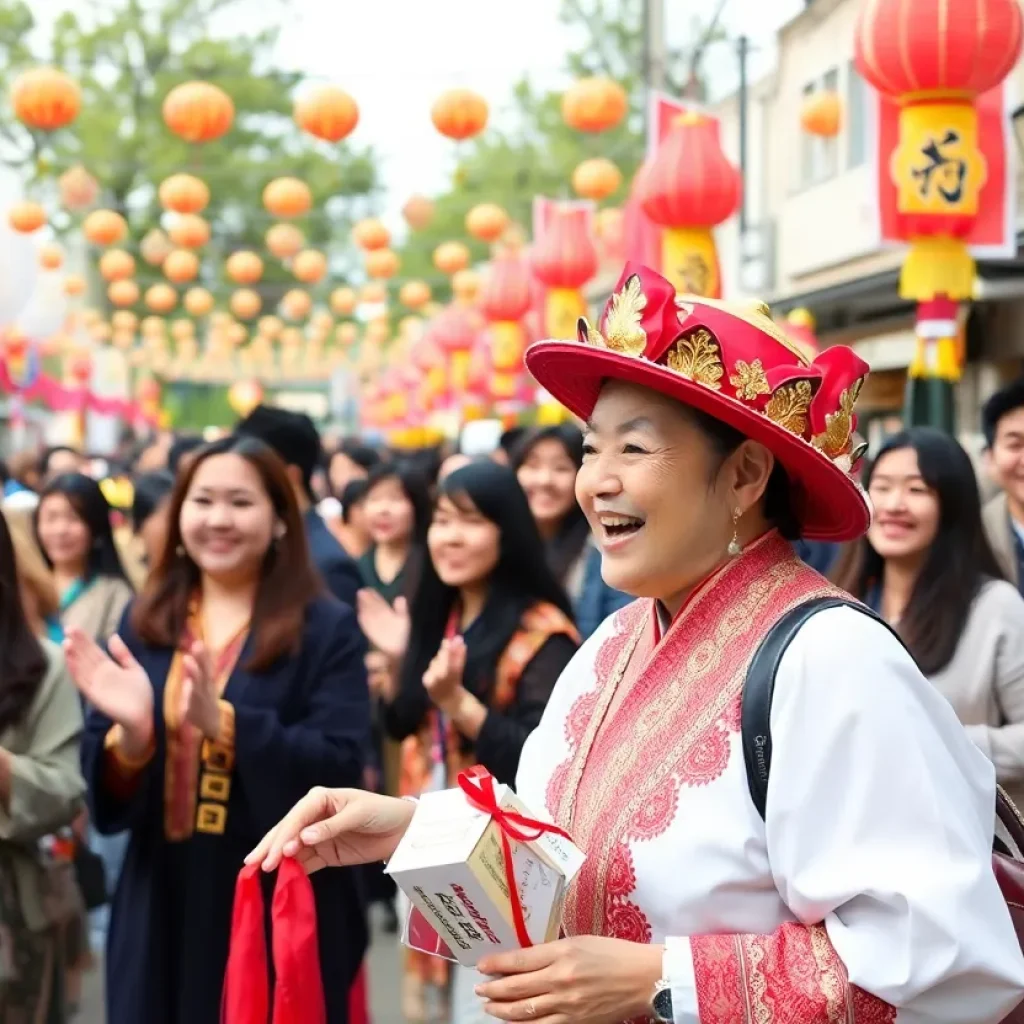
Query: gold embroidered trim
{"type": "Point", "coordinates": [698, 356]}
{"type": "Point", "coordinates": [835, 438]}
{"type": "Point", "coordinates": [754, 313]}
{"type": "Point", "coordinates": [789, 404]}
{"type": "Point", "coordinates": [749, 380]}
{"type": "Point", "coordinates": [622, 330]}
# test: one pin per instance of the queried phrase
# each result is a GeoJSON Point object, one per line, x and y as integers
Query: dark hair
{"type": "Point", "coordinates": [959, 562]}
{"type": "Point", "coordinates": [353, 495]}
{"type": "Point", "coordinates": [778, 504]}
{"type": "Point", "coordinates": [5, 473]}
{"type": "Point", "coordinates": [23, 661]}
{"type": "Point", "coordinates": [149, 492]}
{"type": "Point", "coordinates": [292, 435]}
{"type": "Point", "coordinates": [1002, 403]}
{"type": "Point", "coordinates": [48, 453]}
{"type": "Point", "coordinates": [361, 454]}
{"type": "Point", "coordinates": [521, 578]}
{"type": "Point", "coordinates": [288, 583]}
{"type": "Point", "coordinates": [415, 488]}
{"type": "Point", "coordinates": [511, 438]}
{"type": "Point", "coordinates": [86, 498]}
{"type": "Point", "coordinates": [565, 547]}
{"type": "Point", "coordinates": [182, 446]}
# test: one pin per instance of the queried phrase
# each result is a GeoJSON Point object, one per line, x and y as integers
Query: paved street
{"type": "Point", "coordinates": [384, 985]}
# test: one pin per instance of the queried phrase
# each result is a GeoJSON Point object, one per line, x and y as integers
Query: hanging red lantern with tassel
{"type": "Point", "coordinates": [564, 258]}
{"type": "Point", "coordinates": [505, 299]}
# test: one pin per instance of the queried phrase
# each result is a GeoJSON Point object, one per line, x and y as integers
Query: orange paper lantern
{"type": "Point", "coordinates": [459, 114]}
{"type": "Point", "coordinates": [414, 294]}
{"type": "Point", "coordinates": [74, 285]}
{"type": "Point", "coordinates": [161, 298]}
{"type": "Point", "coordinates": [26, 217]}
{"type": "Point", "coordinates": [123, 292]}
{"type": "Point", "coordinates": [594, 104]}
{"type": "Point", "coordinates": [181, 266]}
{"type": "Point", "coordinates": [123, 320]}
{"type": "Point", "coordinates": [486, 222]}
{"type": "Point", "coordinates": [328, 113]}
{"type": "Point", "coordinates": [51, 257]}
{"type": "Point", "coordinates": [373, 293]}
{"type": "Point", "coordinates": [184, 193]}
{"type": "Point", "coordinates": [343, 301]}
{"type": "Point", "coordinates": [270, 326]}
{"type": "Point", "coordinates": [198, 111]}
{"type": "Point", "coordinates": [296, 304]}
{"type": "Point", "coordinates": [346, 334]}
{"type": "Point", "coordinates": [450, 257]}
{"type": "Point", "coordinates": [506, 293]}
{"type": "Point", "coordinates": [190, 231]}
{"type": "Point", "coordinates": [596, 179]}
{"type": "Point", "coordinates": [309, 266]}
{"type": "Point", "coordinates": [287, 197]}
{"type": "Point", "coordinates": [104, 227]}
{"type": "Point", "coordinates": [466, 286]}
{"type": "Point", "coordinates": [821, 114]}
{"type": "Point", "coordinates": [284, 240]}
{"type": "Point", "coordinates": [155, 247]}
{"type": "Point", "coordinates": [245, 303]}
{"type": "Point", "coordinates": [418, 212]}
{"type": "Point", "coordinates": [244, 267]}
{"type": "Point", "coordinates": [78, 189]}
{"type": "Point", "coordinates": [45, 99]}
{"type": "Point", "coordinates": [370, 234]}
{"type": "Point", "coordinates": [116, 264]}
{"type": "Point", "coordinates": [382, 264]}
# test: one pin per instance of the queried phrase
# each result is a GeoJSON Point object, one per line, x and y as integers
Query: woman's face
{"type": "Point", "coordinates": [343, 471]}
{"type": "Point", "coordinates": [389, 513]}
{"type": "Point", "coordinates": [548, 475]}
{"type": "Point", "coordinates": [63, 534]}
{"type": "Point", "coordinates": [153, 532]}
{"type": "Point", "coordinates": [464, 544]}
{"type": "Point", "coordinates": [227, 519]}
{"type": "Point", "coordinates": [907, 512]}
{"type": "Point", "coordinates": [648, 488]}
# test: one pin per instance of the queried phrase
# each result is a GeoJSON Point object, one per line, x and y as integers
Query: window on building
{"type": "Point", "coordinates": [856, 117]}
{"type": "Point", "coordinates": [807, 147]}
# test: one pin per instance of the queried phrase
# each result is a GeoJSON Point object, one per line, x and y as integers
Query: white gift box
{"type": "Point", "coordinates": [451, 865]}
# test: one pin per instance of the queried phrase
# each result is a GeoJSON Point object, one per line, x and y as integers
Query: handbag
{"type": "Point", "coordinates": [91, 875]}
{"type": "Point", "coordinates": [755, 717]}
{"type": "Point", "coordinates": [298, 984]}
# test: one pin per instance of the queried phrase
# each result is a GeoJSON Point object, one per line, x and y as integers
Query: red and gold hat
{"type": "Point", "coordinates": [734, 363]}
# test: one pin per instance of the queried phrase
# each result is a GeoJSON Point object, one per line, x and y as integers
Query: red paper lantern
{"type": "Point", "coordinates": [327, 113]}
{"type": "Point", "coordinates": [414, 294]}
{"type": "Point", "coordinates": [596, 179]}
{"type": "Point", "coordinates": [284, 240]}
{"type": "Point", "coordinates": [184, 193]}
{"type": "Point", "coordinates": [309, 266]}
{"type": "Point", "coordinates": [198, 301]}
{"type": "Point", "coordinates": [822, 114]}
{"type": "Point", "coordinates": [78, 189]}
{"type": "Point", "coordinates": [198, 111]}
{"type": "Point", "coordinates": [486, 222]}
{"type": "Point", "coordinates": [26, 217]}
{"type": "Point", "coordinates": [418, 212]}
{"type": "Point", "coordinates": [104, 227]}
{"type": "Point", "coordinates": [947, 49]}
{"type": "Point", "coordinates": [123, 292]}
{"type": "Point", "coordinates": [506, 292]}
{"type": "Point", "coordinates": [287, 197]}
{"type": "Point", "coordinates": [81, 370]}
{"type": "Point", "coordinates": [116, 265]}
{"type": "Point", "coordinates": [459, 114]}
{"type": "Point", "coordinates": [370, 234]}
{"type": "Point", "coordinates": [382, 264]}
{"type": "Point", "coordinates": [565, 255]}
{"type": "Point", "coordinates": [594, 104]}
{"type": "Point", "coordinates": [181, 266]}
{"type": "Point", "coordinates": [45, 99]}
{"type": "Point", "coordinates": [190, 231]}
{"type": "Point", "coordinates": [344, 301]}
{"type": "Point", "coordinates": [450, 257]}
{"type": "Point", "coordinates": [244, 267]}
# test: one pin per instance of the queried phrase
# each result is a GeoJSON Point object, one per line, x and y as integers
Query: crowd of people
{"type": "Point", "coordinates": [267, 613]}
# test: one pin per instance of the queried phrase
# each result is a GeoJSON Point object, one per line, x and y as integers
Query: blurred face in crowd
{"type": "Point", "coordinates": [464, 544]}
{"type": "Point", "coordinates": [343, 471]}
{"type": "Point", "coordinates": [227, 519]}
{"type": "Point", "coordinates": [907, 511]}
{"type": "Point", "coordinates": [548, 476]}
{"type": "Point", "coordinates": [389, 513]}
{"type": "Point", "coordinates": [63, 534]}
{"type": "Point", "coordinates": [62, 461]}
{"type": "Point", "coordinates": [1005, 459]}
{"type": "Point", "coordinates": [357, 526]}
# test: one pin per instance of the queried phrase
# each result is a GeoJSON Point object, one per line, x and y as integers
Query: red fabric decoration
{"type": "Point", "coordinates": [298, 988]}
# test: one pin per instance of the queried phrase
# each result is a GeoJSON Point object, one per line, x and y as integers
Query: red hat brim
{"type": "Point", "coordinates": [828, 503]}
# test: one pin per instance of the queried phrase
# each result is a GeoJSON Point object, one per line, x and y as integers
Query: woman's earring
{"type": "Point", "coordinates": [734, 548]}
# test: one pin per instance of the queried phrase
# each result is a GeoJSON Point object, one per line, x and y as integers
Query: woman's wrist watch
{"type": "Point", "coordinates": [661, 1002]}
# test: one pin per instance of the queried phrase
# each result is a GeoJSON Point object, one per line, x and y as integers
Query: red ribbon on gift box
{"type": "Point", "coordinates": [477, 784]}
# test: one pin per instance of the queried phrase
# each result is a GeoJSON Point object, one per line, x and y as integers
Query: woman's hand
{"type": "Point", "coordinates": [443, 678]}
{"type": "Point", "coordinates": [586, 980]}
{"type": "Point", "coordinates": [199, 701]}
{"type": "Point", "coordinates": [117, 685]}
{"type": "Point", "coordinates": [336, 828]}
{"type": "Point", "coordinates": [386, 627]}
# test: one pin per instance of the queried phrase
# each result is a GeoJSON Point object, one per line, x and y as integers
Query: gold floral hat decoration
{"type": "Point", "coordinates": [734, 363]}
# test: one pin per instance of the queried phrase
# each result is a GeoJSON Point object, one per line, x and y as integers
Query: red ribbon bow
{"type": "Point", "coordinates": [478, 786]}
{"type": "Point", "coordinates": [298, 984]}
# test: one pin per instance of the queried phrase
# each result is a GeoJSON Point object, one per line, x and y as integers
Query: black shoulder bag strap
{"type": "Point", "coordinates": [759, 688]}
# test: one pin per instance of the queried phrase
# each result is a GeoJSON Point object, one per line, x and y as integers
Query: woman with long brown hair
{"type": "Point", "coordinates": [233, 686]}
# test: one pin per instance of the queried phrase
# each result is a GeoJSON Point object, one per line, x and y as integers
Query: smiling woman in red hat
{"type": "Point", "coordinates": [852, 883]}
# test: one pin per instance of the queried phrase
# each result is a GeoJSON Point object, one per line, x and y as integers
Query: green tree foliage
{"type": "Point", "coordinates": [531, 151]}
{"type": "Point", "coordinates": [127, 55]}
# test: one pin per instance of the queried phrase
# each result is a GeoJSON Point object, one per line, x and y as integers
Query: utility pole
{"type": "Point", "coordinates": [654, 49]}
{"type": "Point", "coordinates": [742, 49]}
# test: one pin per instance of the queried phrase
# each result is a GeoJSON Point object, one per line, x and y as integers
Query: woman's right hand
{"type": "Point", "coordinates": [386, 627]}
{"type": "Point", "coordinates": [118, 686]}
{"type": "Point", "coordinates": [331, 828]}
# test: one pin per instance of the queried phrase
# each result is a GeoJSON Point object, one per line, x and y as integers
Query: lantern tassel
{"type": "Point", "coordinates": [937, 266]}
